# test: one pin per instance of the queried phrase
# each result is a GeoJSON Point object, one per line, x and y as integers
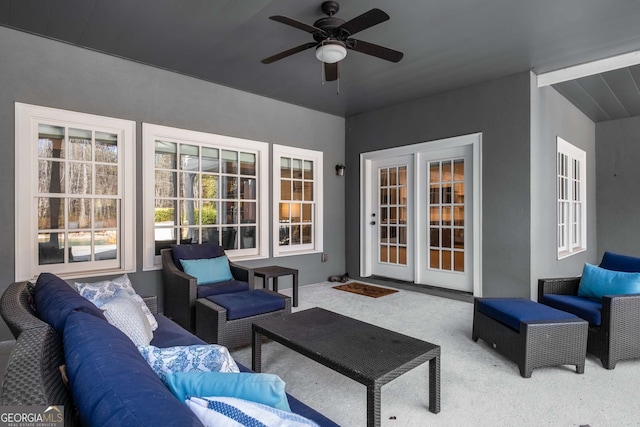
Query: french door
{"type": "Point", "coordinates": [420, 214]}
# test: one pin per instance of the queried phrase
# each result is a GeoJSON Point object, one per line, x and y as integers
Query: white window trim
{"type": "Point", "coordinates": [26, 128]}
{"type": "Point", "coordinates": [151, 132]}
{"type": "Point", "coordinates": [573, 153]}
{"type": "Point", "coordinates": [317, 158]}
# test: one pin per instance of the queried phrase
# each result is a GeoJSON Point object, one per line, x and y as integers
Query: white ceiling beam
{"type": "Point", "coordinates": [589, 69]}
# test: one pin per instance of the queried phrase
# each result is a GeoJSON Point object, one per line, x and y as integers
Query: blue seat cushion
{"type": "Point", "coordinates": [55, 299]}
{"type": "Point", "coordinates": [249, 303]}
{"type": "Point", "coordinates": [111, 383]}
{"type": "Point", "coordinates": [588, 309]}
{"type": "Point", "coordinates": [170, 334]}
{"type": "Point", "coordinates": [197, 251]}
{"type": "Point", "coordinates": [513, 311]}
{"type": "Point", "coordinates": [222, 288]}
{"type": "Point", "coordinates": [617, 262]}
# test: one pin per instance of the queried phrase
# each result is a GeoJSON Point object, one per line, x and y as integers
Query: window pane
{"type": "Point", "coordinates": [106, 244]}
{"type": "Point", "coordinates": [105, 213]}
{"type": "Point", "coordinates": [189, 212]}
{"type": "Point", "coordinates": [434, 194]}
{"type": "Point", "coordinates": [284, 235]}
{"type": "Point", "coordinates": [190, 234]}
{"type": "Point", "coordinates": [247, 164]}
{"type": "Point", "coordinates": [106, 147]}
{"type": "Point", "coordinates": [107, 180]}
{"type": "Point", "coordinates": [248, 189]}
{"type": "Point", "coordinates": [50, 213]}
{"type": "Point", "coordinates": [189, 185]}
{"type": "Point", "coordinates": [307, 213]}
{"type": "Point", "coordinates": [229, 187]}
{"type": "Point", "coordinates": [284, 212]}
{"type": "Point", "coordinates": [248, 239]}
{"type": "Point", "coordinates": [297, 190]}
{"type": "Point", "coordinates": [297, 168]}
{"type": "Point", "coordinates": [434, 258]}
{"type": "Point", "coordinates": [189, 157]}
{"type": "Point", "coordinates": [50, 248]}
{"type": "Point", "coordinates": [248, 212]}
{"type": "Point", "coordinates": [434, 172]}
{"type": "Point", "coordinates": [165, 184]}
{"type": "Point", "coordinates": [393, 176]}
{"type": "Point", "coordinates": [51, 177]}
{"type": "Point", "coordinates": [384, 178]}
{"type": "Point", "coordinates": [209, 186]}
{"type": "Point", "coordinates": [296, 209]}
{"type": "Point", "coordinates": [229, 212]}
{"type": "Point", "coordinates": [210, 235]}
{"type": "Point", "coordinates": [307, 234]}
{"type": "Point", "coordinates": [296, 238]}
{"type": "Point", "coordinates": [79, 213]}
{"type": "Point", "coordinates": [308, 169]}
{"type": "Point", "coordinates": [285, 167]}
{"type": "Point", "coordinates": [51, 142]}
{"type": "Point", "coordinates": [165, 155]}
{"type": "Point", "coordinates": [230, 238]}
{"type": "Point", "coordinates": [285, 189]}
{"type": "Point", "coordinates": [81, 182]}
{"type": "Point", "coordinates": [209, 213]}
{"type": "Point", "coordinates": [402, 175]}
{"type": "Point", "coordinates": [229, 161]}
{"type": "Point", "coordinates": [446, 171]}
{"type": "Point", "coordinates": [165, 212]}
{"type": "Point", "coordinates": [80, 246]}
{"type": "Point", "coordinates": [308, 191]}
{"type": "Point", "coordinates": [210, 159]}
{"type": "Point", "coordinates": [80, 144]}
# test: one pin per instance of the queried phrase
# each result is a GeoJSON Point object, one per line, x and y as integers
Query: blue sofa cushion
{"type": "Point", "coordinates": [197, 251]}
{"type": "Point", "coordinates": [170, 334]}
{"type": "Point", "coordinates": [55, 299]}
{"type": "Point", "coordinates": [111, 384]}
{"type": "Point", "coordinates": [222, 288]}
{"type": "Point", "coordinates": [617, 262]}
{"type": "Point", "coordinates": [249, 303]}
{"type": "Point", "coordinates": [597, 282]}
{"type": "Point", "coordinates": [587, 309]}
{"type": "Point", "coordinates": [513, 311]}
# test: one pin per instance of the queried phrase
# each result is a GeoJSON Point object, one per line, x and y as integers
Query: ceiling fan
{"type": "Point", "coordinates": [333, 37]}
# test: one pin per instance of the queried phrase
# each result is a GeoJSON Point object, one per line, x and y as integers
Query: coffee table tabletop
{"type": "Point", "coordinates": [366, 353]}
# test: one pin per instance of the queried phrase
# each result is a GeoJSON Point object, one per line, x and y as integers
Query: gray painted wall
{"type": "Point", "coordinates": [39, 71]}
{"type": "Point", "coordinates": [618, 157]}
{"type": "Point", "coordinates": [500, 110]}
{"type": "Point", "coordinates": [552, 116]}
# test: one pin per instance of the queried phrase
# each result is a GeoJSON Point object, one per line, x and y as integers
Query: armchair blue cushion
{"type": "Point", "coordinates": [585, 308]}
{"type": "Point", "coordinates": [199, 251]}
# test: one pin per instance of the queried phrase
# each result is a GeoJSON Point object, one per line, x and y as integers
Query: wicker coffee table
{"type": "Point", "coordinates": [371, 355]}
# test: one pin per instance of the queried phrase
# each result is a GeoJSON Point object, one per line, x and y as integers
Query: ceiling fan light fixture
{"type": "Point", "coordinates": [331, 51]}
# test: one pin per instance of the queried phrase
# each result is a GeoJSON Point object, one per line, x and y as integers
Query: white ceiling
{"type": "Point", "coordinates": [447, 44]}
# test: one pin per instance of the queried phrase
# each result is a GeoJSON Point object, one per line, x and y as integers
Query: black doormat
{"type": "Point", "coordinates": [364, 289]}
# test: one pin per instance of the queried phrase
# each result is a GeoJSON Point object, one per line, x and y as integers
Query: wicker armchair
{"type": "Point", "coordinates": [618, 336]}
{"type": "Point", "coordinates": [181, 290]}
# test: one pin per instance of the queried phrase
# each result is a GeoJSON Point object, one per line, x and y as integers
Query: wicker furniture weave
{"type": "Point", "coordinates": [33, 371]}
{"type": "Point", "coordinates": [536, 344]}
{"type": "Point", "coordinates": [618, 336]}
{"type": "Point", "coordinates": [180, 290]}
{"type": "Point", "coordinates": [213, 327]}
{"type": "Point", "coordinates": [371, 355]}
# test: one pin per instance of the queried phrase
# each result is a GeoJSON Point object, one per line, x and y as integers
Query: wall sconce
{"type": "Point", "coordinates": [340, 170]}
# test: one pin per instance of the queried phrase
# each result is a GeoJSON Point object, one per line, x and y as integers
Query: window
{"type": "Point", "coordinates": [75, 193]}
{"type": "Point", "coordinates": [202, 187]}
{"type": "Point", "coordinates": [572, 207]}
{"type": "Point", "coordinates": [297, 194]}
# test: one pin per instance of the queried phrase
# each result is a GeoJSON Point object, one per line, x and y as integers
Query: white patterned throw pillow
{"type": "Point", "coordinates": [233, 412]}
{"type": "Point", "coordinates": [125, 314]}
{"type": "Point", "coordinates": [101, 292]}
{"type": "Point", "coordinates": [198, 358]}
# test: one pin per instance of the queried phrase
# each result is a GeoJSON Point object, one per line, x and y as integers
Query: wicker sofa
{"type": "Point", "coordinates": [110, 383]}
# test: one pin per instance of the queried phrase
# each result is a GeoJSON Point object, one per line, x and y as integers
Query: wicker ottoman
{"type": "Point", "coordinates": [530, 334]}
{"type": "Point", "coordinates": [226, 319]}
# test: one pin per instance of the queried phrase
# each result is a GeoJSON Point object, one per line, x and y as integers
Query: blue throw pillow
{"type": "Point", "coordinates": [209, 270]}
{"type": "Point", "coordinates": [597, 282]}
{"type": "Point", "coordinates": [267, 389]}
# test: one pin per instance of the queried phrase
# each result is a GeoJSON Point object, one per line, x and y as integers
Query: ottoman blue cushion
{"type": "Point", "coordinates": [249, 303]}
{"type": "Point", "coordinates": [105, 393]}
{"type": "Point", "coordinates": [513, 311]}
{"type": "Point", "coordinates": [588, 309]}
{"type": "Point", "coordinates": [618, 262]}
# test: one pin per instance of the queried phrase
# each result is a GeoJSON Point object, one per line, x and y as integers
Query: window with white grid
{"type": "Point", "coordinates": [571, 199]}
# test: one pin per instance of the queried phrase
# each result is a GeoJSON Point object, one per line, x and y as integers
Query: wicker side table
{"type": "Point", "coordinates": [275, 271]}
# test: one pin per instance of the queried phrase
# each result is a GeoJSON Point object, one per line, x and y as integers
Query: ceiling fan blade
{"type": "Point", "coordinates": [331, 72]}
{"type": "Point", "coordinates": [288, 52]}
{"type": "Point", "coordinates": [296, 24]}
{"type": "Point", "coordinates": [364, 21]}
{"type": "Point", "coordinates": [377, 51]}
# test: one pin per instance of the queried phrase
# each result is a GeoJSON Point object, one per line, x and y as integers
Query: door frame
{"type": "Point", "coordinates": [366, 160]}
